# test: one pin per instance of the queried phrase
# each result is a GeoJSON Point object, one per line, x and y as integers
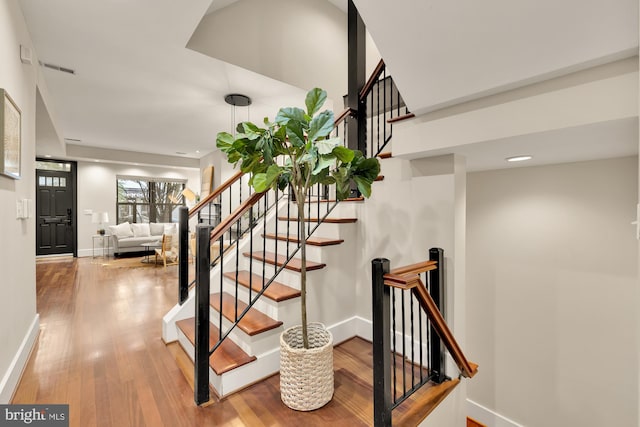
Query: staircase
{"type": "Point", "coordinates": [251, 351]}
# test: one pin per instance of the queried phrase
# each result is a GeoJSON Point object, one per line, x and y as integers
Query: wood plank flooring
{"type": "Point", "coordinates": [100, 351]}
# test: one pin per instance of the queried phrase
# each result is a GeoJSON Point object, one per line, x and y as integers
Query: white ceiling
{"type": "Point", "coordinates": [137, 88]}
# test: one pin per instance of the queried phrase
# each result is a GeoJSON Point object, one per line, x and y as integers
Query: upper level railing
{"type": "Point", "coordinates": [409, 332]}
{"type": "Point", "coordinates": [228, 285]}
{"type": "Point", "coordinates": [384, 107]}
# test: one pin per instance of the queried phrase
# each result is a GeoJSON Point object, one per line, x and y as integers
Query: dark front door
{"type": "Point", "coordinates": [55, 220]}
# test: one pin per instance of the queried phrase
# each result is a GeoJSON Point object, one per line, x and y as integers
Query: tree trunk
{"type": "Point", "coordinates": [302, 236]}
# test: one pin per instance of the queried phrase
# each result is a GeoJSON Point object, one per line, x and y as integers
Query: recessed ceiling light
{"type": "Point", "coordinates": [97, 161]}
{"type": "Point", "coordinates": [198, 151]}
{"type": "Point", "coordinates": [520, 158]}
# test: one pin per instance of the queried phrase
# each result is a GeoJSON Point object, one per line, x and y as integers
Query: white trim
{"type": "Point", "coordinates": [488, 417]}
{"type": "Point", "coordinates": [12, 376]}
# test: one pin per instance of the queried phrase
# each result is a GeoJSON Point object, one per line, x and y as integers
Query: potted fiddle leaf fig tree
{"type": "Point", "coordinates": [297, 151]}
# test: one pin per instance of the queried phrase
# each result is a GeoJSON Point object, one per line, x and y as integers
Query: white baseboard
{"type": "Point", "coordinates": [487, 416]}
{"type": "Point", "coordinates": [14, 372]}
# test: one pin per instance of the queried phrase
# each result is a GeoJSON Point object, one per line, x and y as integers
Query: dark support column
{"type": "Point", "coordinates": [437, 291]}
{"type": "Point", "coordinates": [381, 344]}
{"type": "Point", "coordinates": [356, 129]}
{"type": "Point", "coordinates": [183, 254]}
{"type": "Point", "coordinates": [201, 364]}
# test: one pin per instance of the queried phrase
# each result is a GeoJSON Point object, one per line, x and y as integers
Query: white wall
{"type": "Point", "coordinates": [17, 253]}
{"type": "Point", "coordinates": [303, 43]}
{"type": "Point", "coordinates": [419, 205]}
{"type": "Point", "coordinates": [97, 192]}
{"type": "Point", "coordinates": [552, 276]}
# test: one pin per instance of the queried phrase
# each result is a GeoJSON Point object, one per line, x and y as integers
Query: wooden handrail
{"type": "Point", "coordinates": [418, 268]}
{"type": "Point", "coordinates": [372, 80]}
{"type": "Point", "coordinates": [437, 321]}
{"type": "Point", "coordinates": [228, 222]}
{"type": "Point", "coordinates": [194, 210]}
{"type": "Point", "coordinates": [401, 282]}
{"type": "Point", "coordinates": [342, 116]}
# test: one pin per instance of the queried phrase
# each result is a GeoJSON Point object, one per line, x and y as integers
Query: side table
{"type": "Point", "coordinates": [103, 240]}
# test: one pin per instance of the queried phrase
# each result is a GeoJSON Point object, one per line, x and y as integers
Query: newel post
{"type": "Point", "coordinates": [183, 254]}
{"type": "Point", "coordinates": [203, 279]}
{"type": "Point", "coordinates": [437, 292]}
{"type": "Point", "coordinates": [381, 302]}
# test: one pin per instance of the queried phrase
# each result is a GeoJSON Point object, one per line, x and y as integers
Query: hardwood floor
{"type": "Point", "coordinates": [100, 351]}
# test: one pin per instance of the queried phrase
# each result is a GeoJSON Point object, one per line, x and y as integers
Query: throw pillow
{"type": "Point", "coordinates": [170, 229]}
{"type": "Point", "coordinates": [140, 230]}
{"type": "Point", "coordinates": [156, 229]}
{"type": "Point", "coordinates": [123, 230]}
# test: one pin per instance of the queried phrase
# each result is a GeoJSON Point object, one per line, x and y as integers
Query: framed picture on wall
{"type": "Point", "coordinates": [10, 136]}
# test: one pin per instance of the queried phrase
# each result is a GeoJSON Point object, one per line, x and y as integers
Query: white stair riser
{"type": "Point", "coordinates": [266, 365]}
{"type": "Point", "coordinates": [284, 311]}
{"type": "Point", "coordinates": [251, 345]}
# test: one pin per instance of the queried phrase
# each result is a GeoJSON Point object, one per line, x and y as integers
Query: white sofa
{"type": "Point", "coordinates": [127, 237]}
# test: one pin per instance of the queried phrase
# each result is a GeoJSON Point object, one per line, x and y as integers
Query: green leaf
{"type": "Point", "coordinates": [364, 185]}
{"type": "Point", "coordinates": [295, 134]}
{"type": "Point", "coordinates": [314, 100]}
{"type": "Point", "coordinates": [263, 181]}
{"type": "Point", "coordinates": [224, 141]}
{"type": "Point", "coordinates": [326, 146]}
{"type": "Point", "coordinates": [321, 125]}
{"type": "Point", "coordinates": [290, 113]}
{"type": "Point", "coordinates": [251, 131]}
{"type": "Point", "coordinates": [368, 168]}
{"type": "Point", "coordinates": [343, 154]}
{"type": "Point", "coordinates": [341, 176]}
{"type": "Point", "coordinates": [324, 163]}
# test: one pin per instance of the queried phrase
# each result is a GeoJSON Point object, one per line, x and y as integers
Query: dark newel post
{"type": "Point", "coordinates": [437, 291]}
{"type": "Point", "coordinates": [183, 254]}
{"type": "Point", "coordinates": [381, 344]}
{"type": "Point", "coordinates": [356, 51]}
{"type": "Point", "coordinates": [203, 263]}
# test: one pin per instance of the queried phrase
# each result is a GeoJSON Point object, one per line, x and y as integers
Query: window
{"type": "Point", "coordinates": [148, 199]}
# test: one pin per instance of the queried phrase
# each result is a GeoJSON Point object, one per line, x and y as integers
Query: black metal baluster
{"type": "Point", "coordinates": [264, 242]}
{"type": "Point", "coordinates": [251, 226]}
{"type": "Point", "coordinates": [413, 360]}
{"type": "Point", "coordinates": [404, 347]}
{"type": "Point", "coordinates": [378, 115]}
{"type": "Point", "coordinates": [420, 333]}
{"type": "Point", "coordinates": [384, 96]}
{"type": "Point", "coordinates": [221, 258]}
{"type": "Point", "coordinates": [276, 227]}
{"type": "Point", "coordinates": [393, 331]}
{"type": "Point", "coordinates": [237, 242]}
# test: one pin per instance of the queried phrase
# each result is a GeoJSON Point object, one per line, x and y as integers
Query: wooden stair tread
{"type": "Point", "coordinates": [348, 199]}
{"type": "Point", "coordinates": [253, 323]}
{"type": "Point", "coordinates": [227, 356]}
{"type": "Point", "coordinates": [327, 220]}
{"type": "Point", "coordinates": [294, 264]}
{"type": "Point", "coordinates": [276, 290]}
{"type": "Point", "coordinates": [314, 241]}
{"type": "Point", "coordinates": [401, 118]}
{"type": "Point", "coordinates": [379, 178]}
{"type": "Point", "coordinates": [386, 155]}
{"type": "Point", "coordinates": [416, 408]}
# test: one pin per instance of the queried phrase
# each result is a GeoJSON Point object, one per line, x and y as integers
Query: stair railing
{"type": "Point", "coordinates": [212, 210]}
{"type": "Point", "coordinates": [275, 207]}
{"type": "Point", "coordinates": [384, 106]}
{"type": "Point", "coordinates": [409, 332]}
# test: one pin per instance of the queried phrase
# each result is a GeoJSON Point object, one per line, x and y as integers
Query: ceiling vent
{"type": "Point", "coordinates": [58, 68]}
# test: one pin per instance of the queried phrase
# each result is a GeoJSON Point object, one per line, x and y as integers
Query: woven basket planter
{"type": "Point", "coordinates": [306, 375]}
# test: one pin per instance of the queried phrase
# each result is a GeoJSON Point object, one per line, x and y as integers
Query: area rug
{"type": "Point", "coordinates": [134, 262]}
